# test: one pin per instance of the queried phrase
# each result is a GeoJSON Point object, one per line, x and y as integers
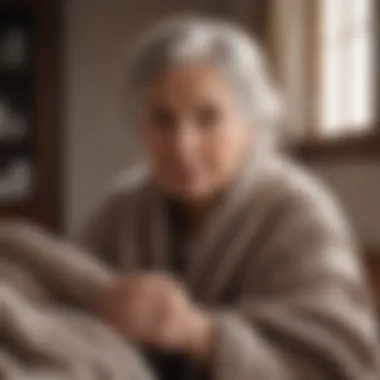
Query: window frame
{"type": "Point", "coordinates": [351, 146]}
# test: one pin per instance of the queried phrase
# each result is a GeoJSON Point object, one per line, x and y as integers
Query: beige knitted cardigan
{"type": "Point", "coordinates": [276, 264]}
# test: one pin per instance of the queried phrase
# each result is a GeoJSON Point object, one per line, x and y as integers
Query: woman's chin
{"type": "Point", "coordinates": [186, 191]}
{"type": "Point", "coordinates": [191, 194]}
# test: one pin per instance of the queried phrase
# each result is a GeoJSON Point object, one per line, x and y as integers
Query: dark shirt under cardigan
{"type": "Point", "coordinates": [175, 367]}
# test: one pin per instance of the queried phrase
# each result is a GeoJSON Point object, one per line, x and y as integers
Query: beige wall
{"type": "Point", "coordinates": [98, 144]}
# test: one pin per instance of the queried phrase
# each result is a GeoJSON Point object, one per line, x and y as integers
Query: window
{"type": "Point", "coordinates": [324, 52]}
{"type": "Point", "coordinates": [345, 89]}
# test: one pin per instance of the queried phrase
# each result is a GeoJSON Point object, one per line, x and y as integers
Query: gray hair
{"type": "Point", "coordinates": [222, 43]}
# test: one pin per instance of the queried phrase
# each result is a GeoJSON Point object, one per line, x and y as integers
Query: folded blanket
{"type": "Point", "coordinates": [47, 330]}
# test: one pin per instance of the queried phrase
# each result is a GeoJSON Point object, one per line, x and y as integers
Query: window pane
{"type": "Point", "coordinates": [347, 72]}
{"type": "Point", "coordinates": [330, 116]}
{"type": "Point", "coordinates": [362, 82]}
{"type": "Point", "coordinates": [332, 19]}
{"type": "Point", "coordinates": [330, 102]}
{"type": "Point", "coordinates": [362, 10]}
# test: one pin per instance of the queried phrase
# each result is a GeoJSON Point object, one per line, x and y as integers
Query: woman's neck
{"type": "Point", "coordinates": [195, 216]}
{"type": "Point", "coordinates": [192, 216]}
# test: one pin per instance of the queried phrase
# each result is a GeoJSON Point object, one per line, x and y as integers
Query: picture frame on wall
{"type": "Point", "coordinates": [30, 117]}
{"type": "Point", "coordinates": [17, 105]}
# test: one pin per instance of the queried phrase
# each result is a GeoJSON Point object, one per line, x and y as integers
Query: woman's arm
{"type": "Point", "coordinates": [308, 316]}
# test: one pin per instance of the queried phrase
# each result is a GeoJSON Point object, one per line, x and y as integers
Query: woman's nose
{"type": "Point", "coordinates": [186, 140]}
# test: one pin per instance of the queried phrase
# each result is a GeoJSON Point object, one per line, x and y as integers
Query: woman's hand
{"type": "Point", "coordinates": [155, 310]}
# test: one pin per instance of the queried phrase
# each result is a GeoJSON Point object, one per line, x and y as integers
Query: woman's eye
{"type": "Point", "coordinates": [162, 118]}
{"type": "Point", "coordinates": [208, 116]}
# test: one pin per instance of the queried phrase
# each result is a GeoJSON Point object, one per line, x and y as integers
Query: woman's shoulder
{"type": "Point", "coordinates": [300, 189]}
{"type": "Point", "coordinates": [280, 176]}
{"type": "Point", "coordinates": [291, 179]}
{"type": "Point", "coordinates": [117, 197]}
{"type": "Point", "coordinates": [129, 181]}
{"type": "Point", "coordinates": [125, 187]}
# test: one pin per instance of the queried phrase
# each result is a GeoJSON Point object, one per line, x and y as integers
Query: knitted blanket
{"type": "Point", "coordinates": [47, 329]}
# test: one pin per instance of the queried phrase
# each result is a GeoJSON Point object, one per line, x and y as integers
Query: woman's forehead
{"type": "Point", "coordinates": [188, 82]}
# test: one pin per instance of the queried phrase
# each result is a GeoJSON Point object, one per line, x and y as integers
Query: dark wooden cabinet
{"type": "Point", "coordinates": [30, 88]}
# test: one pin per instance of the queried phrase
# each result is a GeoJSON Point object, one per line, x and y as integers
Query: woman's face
{"type": "Point", "coordinates": [194, 131]}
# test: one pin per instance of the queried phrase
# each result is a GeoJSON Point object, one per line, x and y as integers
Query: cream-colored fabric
{"type": "Point", "coordinates": [276, 263]}
{"type": "Point", "coordinates": [47, 331]}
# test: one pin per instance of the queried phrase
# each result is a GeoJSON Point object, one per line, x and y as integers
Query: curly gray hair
{"type": "Point", "coordinates": [221, 43]}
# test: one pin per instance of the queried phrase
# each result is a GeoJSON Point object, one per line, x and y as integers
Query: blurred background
{"type": "Point", "coordinates": [62, 135]}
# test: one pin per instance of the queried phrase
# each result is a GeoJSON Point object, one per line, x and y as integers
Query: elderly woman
{"type": "Point", "coordinates": [233, 262]}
